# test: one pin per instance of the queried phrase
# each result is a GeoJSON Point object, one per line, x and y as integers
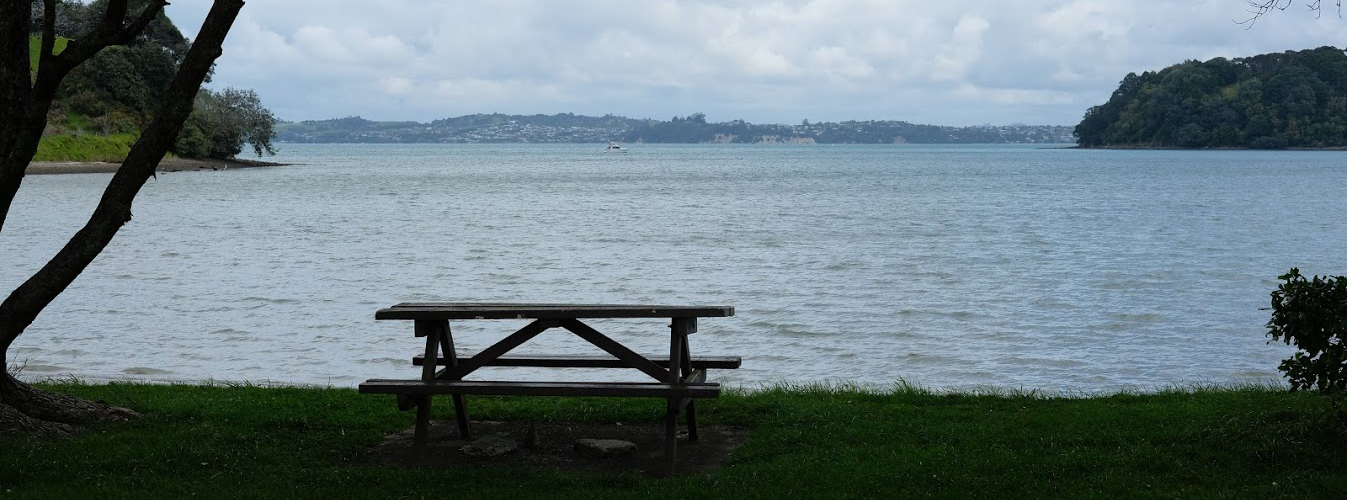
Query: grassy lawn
{"type": "Point", "coordinates": [82, 147]}
{"type": "Point", "coordinates": [35, 50]}
{"type": "Point", "coordinates": [111, 148]}
{"type": "Point", "coordinates": [252, 442]}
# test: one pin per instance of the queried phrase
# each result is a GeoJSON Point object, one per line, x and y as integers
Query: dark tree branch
{"type": "Point", "coordinates": [48, 31]}
{"type": "Point", "coordinates": [114, 209]}
{"type": "Point", "coordinates": [1260, 8]}
{"type": "Point", "coordinates": [51, 71]}
{"type": "Point", "coordinates": [113, 17]}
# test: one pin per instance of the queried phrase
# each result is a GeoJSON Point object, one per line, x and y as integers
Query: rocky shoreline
{"type": "Point", "coordinates": [166, 165]}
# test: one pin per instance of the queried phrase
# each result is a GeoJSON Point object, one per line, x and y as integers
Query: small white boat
{"type": "Point", "coordinates": [614, 148]}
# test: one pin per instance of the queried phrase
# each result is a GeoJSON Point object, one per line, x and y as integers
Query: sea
{"type": "Point", "coordinates": [950, 267]}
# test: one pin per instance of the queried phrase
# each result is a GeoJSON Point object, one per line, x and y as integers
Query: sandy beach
{"type": "Point", "coordinates": [167, 165]}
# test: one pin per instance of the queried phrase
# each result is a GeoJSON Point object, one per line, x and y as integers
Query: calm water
{"type": "Point", "coordinates": [950, 267]}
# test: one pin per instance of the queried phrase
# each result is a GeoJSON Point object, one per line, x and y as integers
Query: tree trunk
{"type": "Point", "coordinates": [22, 407]}
{"type": "Point", "coordinates": [28, 410]}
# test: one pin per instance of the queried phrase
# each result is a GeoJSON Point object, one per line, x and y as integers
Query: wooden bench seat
{"type": "Point", "coordinates": [614, 389]}
{"type": "Point", "coordinates": [541, 361]}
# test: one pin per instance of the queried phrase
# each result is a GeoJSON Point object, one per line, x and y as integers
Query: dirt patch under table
{"type": "Point", "coordinates": [555, 448]}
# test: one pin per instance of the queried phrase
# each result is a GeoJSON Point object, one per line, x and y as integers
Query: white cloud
{"type": "Point", "coordinates": [1010, 97]}
{"type": "Point", "coordinates": [839, 65]}
{"type": "Point", "coordinates": [394, 85]}
{"type": "Point", "coordinates": [961, 51]}
{"type": "Point", "coordinates": [1038, 61]}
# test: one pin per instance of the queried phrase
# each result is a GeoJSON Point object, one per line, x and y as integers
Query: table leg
{"type": "Point", "coordinates": [692, 402]}
{"type": "Point", "coordinates": [422, 425]}
{"type": "Point", "coordinates": [425, 329]}
{"type": "Point", "coordinates": [671, 434]}
{"type": "Point", "coordinates": [678, 332]}
{"type": "Point", "coordinates": [460, 406]}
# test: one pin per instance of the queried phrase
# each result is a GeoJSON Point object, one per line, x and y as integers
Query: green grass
{"type": "Point", "coordinates": [84, 147]}
{"type": "Point", "coordinates": [70, 147]}
{"type": "Point", "coordinates": [806, 442]}
{"type": "Point", "coordinates": [35, 50]}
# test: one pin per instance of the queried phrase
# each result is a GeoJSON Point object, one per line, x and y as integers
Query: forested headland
{"type": "Point", "coordinates": [1294, 99]}
{"type": "Point", "coordinates": [105, 102]}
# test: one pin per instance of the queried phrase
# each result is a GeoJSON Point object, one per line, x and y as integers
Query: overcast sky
{"type": "Point", "coordinates": [947, 62]}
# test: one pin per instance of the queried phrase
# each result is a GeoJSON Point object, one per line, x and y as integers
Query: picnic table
{"type": "Point", "coordinates": [680, 378]}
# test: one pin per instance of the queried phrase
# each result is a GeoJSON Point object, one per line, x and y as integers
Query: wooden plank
{"type": "Point", "coordinates": [469, 310]}
{"type": "Point", "coordinates": [599, 361]}
{"type": "Point", "coordinates": [671, 433]}
{"type": "Point", "coordinates": [511, 388]}
{"type": "Point", "coordinates": [679, 367]}
{"type": "Point", "coordinates": [429, 329]}
{"type": "Point", "coordinates": [629, 357]}
{"type": "Point", "coordinates": [422, 429]}
{"type": "Point", "coordinates": [686, 358]}
{"type": "Point", "coordinates": [677, 338]}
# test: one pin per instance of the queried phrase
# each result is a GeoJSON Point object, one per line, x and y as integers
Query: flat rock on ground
{"type": "Point", "coordinates": [605, 448]}
{"type": "Point", "coordinates": [556, 448]}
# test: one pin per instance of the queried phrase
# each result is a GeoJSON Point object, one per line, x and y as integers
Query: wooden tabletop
{"type": "Point", "coordinates": [479, 310]}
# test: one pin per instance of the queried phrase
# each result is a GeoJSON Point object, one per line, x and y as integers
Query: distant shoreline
{"type": "Point", "coordinates": [165, 165]}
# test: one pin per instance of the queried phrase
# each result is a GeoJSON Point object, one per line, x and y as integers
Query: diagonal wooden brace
{"type": "Point", "coordinates": [618, 351]}
{"type": "Point", "coordinates": [489, 354]}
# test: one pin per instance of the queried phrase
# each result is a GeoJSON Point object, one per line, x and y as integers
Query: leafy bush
{"type": "Point", "coordinates": [1312, 315]}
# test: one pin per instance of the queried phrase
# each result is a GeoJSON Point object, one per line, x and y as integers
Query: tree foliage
{"type": "Point", "coordinates": [121, 82]}
{"type": "Point", "coordinates": [223, 122]}
{"type": "Point", "coordinates": [1312, 315]}
{"type": "Point", "coordinates": [116, 90]}
{"type": "Point", "coordinates": [1291, 99]}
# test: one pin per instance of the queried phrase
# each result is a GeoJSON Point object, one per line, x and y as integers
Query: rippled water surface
{"type": "Point", "coordinates": [950, 267]}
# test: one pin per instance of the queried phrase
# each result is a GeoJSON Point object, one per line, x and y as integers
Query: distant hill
{"type": "Point", "coordinates": [571, 128]}
{"type": "Point", "coordinates": [1290, 99]}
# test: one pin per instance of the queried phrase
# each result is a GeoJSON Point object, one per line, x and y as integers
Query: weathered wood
{"type": "Point", "coordinates": [678, 337]}
{"type": "Point", "coordinates": [671, 432]}
{"type": "Point", "coordinates": [600, 361]}
{"type": "Point", "coordinates": [687, 374]}
{"type": "Point", "coordinates": [422, 424]}
{"type": "Point", "coordinates": [465, 310]}
{"type": "Point", "coordinates": [427, 329]}
{"type": "Point", "coordinates": [628, 357]}
{"type": "Point", "coordinates": [450, 355]}
{"type": "Point", "coordinates": [686, 358]}
{"type": "Point", "coordinates": [496, 350]}
{"type": "Point", "coordinates": [511, 388]}
{"type": "Point", "coordinates": [682, 378]}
